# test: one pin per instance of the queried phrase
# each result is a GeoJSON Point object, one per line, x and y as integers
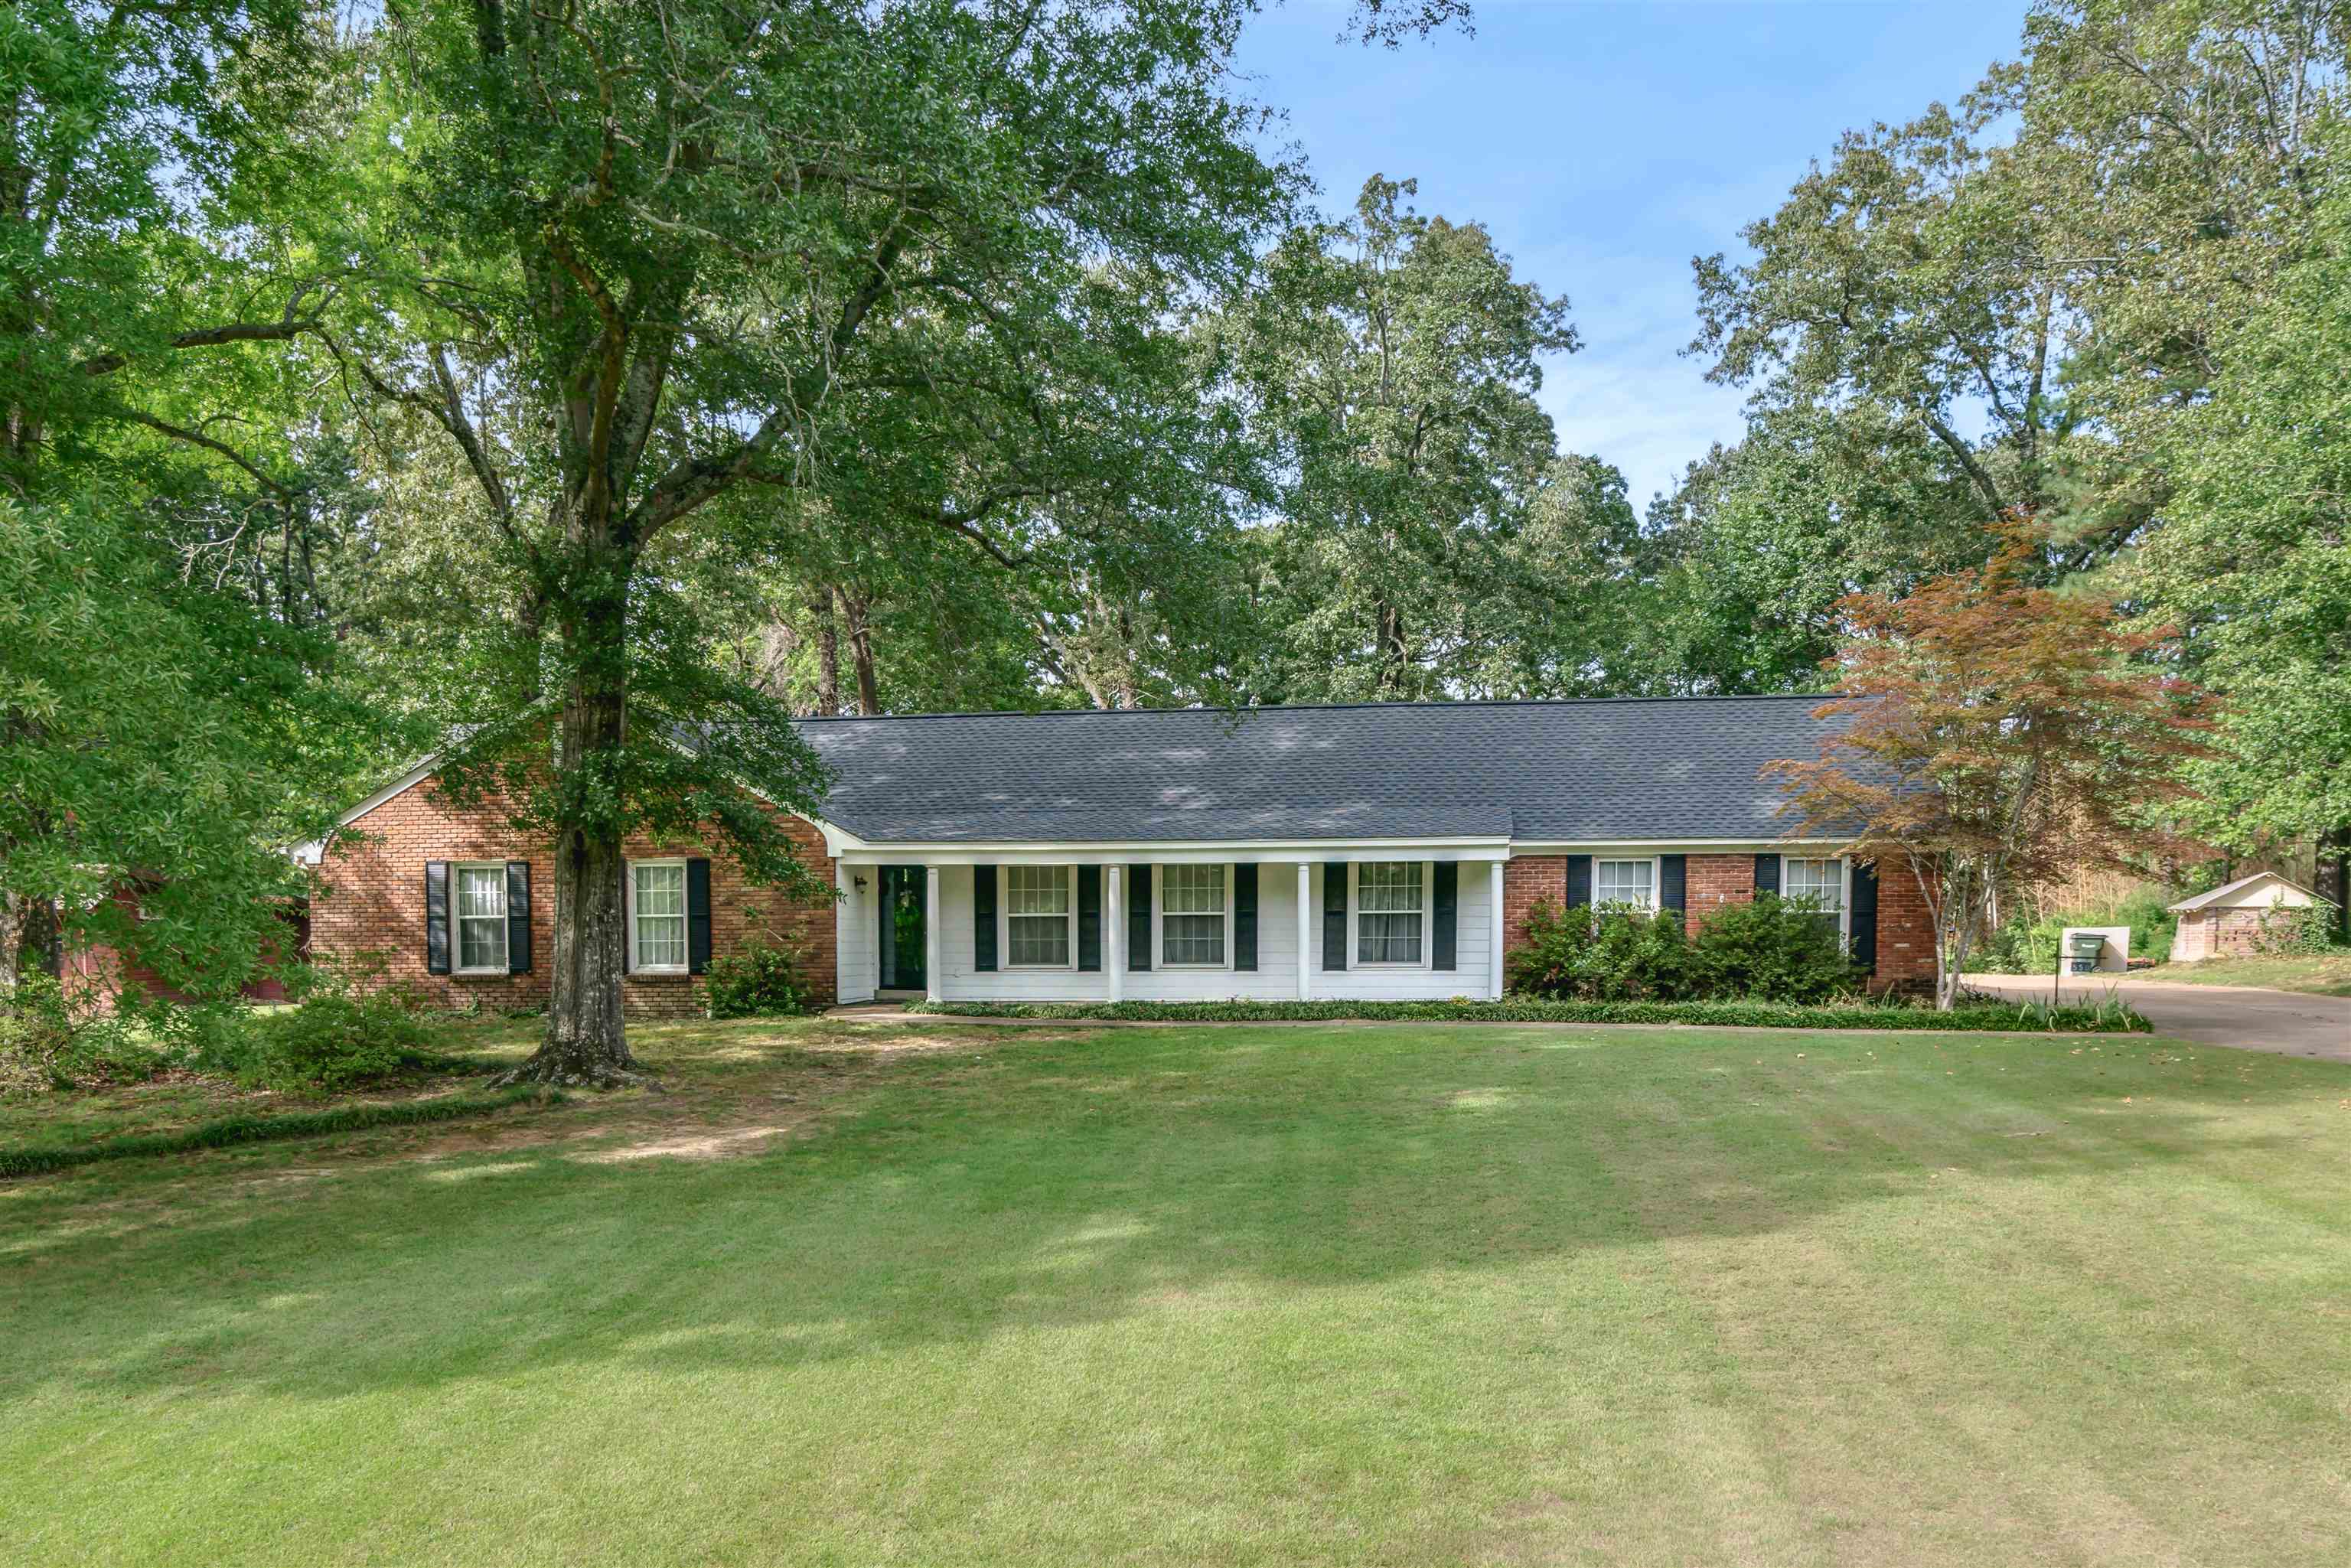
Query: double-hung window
{"type": "Point", "coordinates": [1820, 883]}
{"type": "Point", "coordinates": [1626, 881]}
{"type": "Point", "coordinates": [657, 917]}
{"type": "Point", "coordinates": [482, 919]}
{"type": "Point", "coordinates": [1193, 904]}
{"type": "Point", "coordinates": [1039, 914]}
{"type": "Point", "coordinates": [1391, 910]}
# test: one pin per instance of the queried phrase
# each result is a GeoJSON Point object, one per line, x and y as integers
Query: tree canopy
{"type": "Point", "coordinates": [640, 377]}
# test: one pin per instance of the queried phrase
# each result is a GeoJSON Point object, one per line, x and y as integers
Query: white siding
{"type": "Point", "coordinates": [857, 957]}
{"type": "Point", "coordinates": [958, 981]}
{"type": "Point", "coordinates": [1275, 978]}
{"type": "Point", "coordinates": [1422, 984]}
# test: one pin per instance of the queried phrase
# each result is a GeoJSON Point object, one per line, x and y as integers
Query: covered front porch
{"type": "Point", "coordinates": [1396, 920]}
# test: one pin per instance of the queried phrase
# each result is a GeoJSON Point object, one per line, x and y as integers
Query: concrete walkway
{"type": "Point", "coordinates": [2243, 1018]}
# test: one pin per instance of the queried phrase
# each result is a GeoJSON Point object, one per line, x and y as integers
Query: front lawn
{"type": "Point", "coordinates": [2323, 973]}
{"type": "Point", "coordinates": [889, 1293]}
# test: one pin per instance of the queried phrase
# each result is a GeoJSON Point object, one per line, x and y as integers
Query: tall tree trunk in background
{"type": "Point", "coordinates": [12, 927]}
{"type": "Point", "coordinates": [861, 650]}
{"type": "Point", "coordinates": [828, 653]}
{"type": "Point", "coordinates": [41, 948]}
{"type": "Point", "coordinates": [772, 668]}
{"type": "Point", "coordinates": [1392, 653]}
{"type": "Point", "coordinates": [2333, 878]}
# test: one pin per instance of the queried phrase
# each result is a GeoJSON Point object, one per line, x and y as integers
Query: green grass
{"type": "Point", "coordinates": [174, 1102]}
{"type": "Point", "coordinates": [1222, 1296]}
{"type": "Point", "coordinates": [2323, 973]}
{"type": "Point", "coordinates": [2110, 1016]}
{"type": "Point", "coordinates": [223, 1132]}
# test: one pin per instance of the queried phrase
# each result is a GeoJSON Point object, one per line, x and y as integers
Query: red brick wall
{"type": "Point", "coordinates": [1715, 880]}
{"type": "Point", "coordinates": [1905, 932]}
{"type": "Point", "coordinates": [369, 903]}
{"type": "Point", "coordinates": [108, 972]}
{"type": "Point", "coordinates": [2238, 932]}
{"type": "Point", "coordinates": [1528, 880]}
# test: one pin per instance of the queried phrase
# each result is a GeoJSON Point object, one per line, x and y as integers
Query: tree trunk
{"type": "Point", "coordinates": [41, 948]}
{"type": "Point", "coordinates": [2333, 878]}
{"type": "Point", "coordinates": [778, 641]}
{"type": "Point", "coordinates": [11, 924]}
{"type": "Point", "coordinates": [1395, 656]}
{"type": "Point", "coordinates": [860, 652]}
{"type": "Point", "coordinates": [586, 1039]}
{"type": "Point", "coordinates": [828, 655]}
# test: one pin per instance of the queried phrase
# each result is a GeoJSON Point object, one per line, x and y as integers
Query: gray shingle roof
{"type": "Point", "coordinates": [1622, 769]}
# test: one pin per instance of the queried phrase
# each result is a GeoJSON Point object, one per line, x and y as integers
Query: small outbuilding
{"type": "Point", "coordinates": [2240, 918]}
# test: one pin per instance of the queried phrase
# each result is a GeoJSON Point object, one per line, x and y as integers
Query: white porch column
{"type": "Point", "coordinates": [1305, 929]}
{"type": "Point", "coordinates": [931, 918]}
{"type": "Point", "coordinates": [1115, 937]}
{"type": "Point", "coordinates": [1494, 937]}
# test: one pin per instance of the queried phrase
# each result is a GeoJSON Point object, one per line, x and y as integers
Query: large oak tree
{"type": "Point", "coordinates": [920, 256]}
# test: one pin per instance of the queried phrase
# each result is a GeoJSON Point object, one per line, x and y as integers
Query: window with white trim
{"type": "Point", "coordinates": [1039, 917]}
{"type": "Point", "coordinates": [1194, 903]}
{"type": "Point", "coordinates": [1626, 881]}
{"type": "Point", "coordinates": [1391, 911]}
{"type": "Point", "coordinates": [482, 919]}
{"type": "Point", "coordinates": [657, 917]}
{"type": "Point", "coordinates": [1819, 882]}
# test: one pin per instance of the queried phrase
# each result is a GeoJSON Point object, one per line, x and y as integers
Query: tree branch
{"type": "Point", "coordinates": [198, 438]}
{"type": "Point", "coordinates": [210, 336]}
{"type": "Point", "coordinates": [1967, 460]}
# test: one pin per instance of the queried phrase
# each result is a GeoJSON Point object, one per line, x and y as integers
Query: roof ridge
{"type": "Point", "coordinates": [1317, 707]}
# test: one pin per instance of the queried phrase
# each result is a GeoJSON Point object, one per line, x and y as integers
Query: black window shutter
{"type": "Point", "coordinates": [436, 917]}
{"type": "Point", "coordinates": [1767, 873]}
{"type": "Point", "coordinates": [1673, 882]}
{"type": "Point", "coordinates": [1446, 907]}
{"type": "Point", "coordinates": [1334, 915]}
{"type": "Point", "coordinates": [1579, 880]}
{"type": "Point", "coordinates": [1864, 916]}
{"type": "Point", "coordinates": [697, 916]}
{"type": "Point", "coordinates": [1138, 917]}
{"type": "Point", "coordinates": [1090, 917]}
{"type": "Point", "coordinates": [1245, 917]}
{"type": "Point", "coordinates": [517, 917]}
{"type": "Point", "coordinates": [983, 918]}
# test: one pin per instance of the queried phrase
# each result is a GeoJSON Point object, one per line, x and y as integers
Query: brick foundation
{"type": "Point", "coordinates": [367, 906]}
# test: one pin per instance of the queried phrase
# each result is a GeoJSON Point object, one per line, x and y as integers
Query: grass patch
{"type": "Point", "coordinates": [2318, 973]}
{"type": "Point", "coordinates": [1226, 1296]}
{"type": "Point", "coordinates": [2104, 1017]}
{"type": "Point", "coordinates": [164, 1100]}
{"type": "Point", "coordinates": [229, 1130]}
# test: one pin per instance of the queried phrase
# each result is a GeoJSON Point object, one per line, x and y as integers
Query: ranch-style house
{"type": "Point", "coordinates": [1376, 850]}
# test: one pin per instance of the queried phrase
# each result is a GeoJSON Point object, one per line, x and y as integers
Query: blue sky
{"type": "Point", "coordinates": [1605, 145]}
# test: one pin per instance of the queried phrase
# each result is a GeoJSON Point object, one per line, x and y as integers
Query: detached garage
{"type": "Point", "coordinates": [2230, 921]}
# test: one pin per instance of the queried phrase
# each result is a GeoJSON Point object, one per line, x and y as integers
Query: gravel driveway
{"type": "Point", "coordinates": [2242, 1016]}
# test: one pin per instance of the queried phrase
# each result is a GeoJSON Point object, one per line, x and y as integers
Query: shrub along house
{"type": "Point", "coordinates": [1384, 850]}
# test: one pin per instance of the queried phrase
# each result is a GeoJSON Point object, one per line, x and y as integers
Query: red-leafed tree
{"type": "Point", "coordinates": [1998, 736]}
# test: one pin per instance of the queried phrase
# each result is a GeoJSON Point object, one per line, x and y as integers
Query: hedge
{"type": "Point", "coordinates": [2110, 1018]}
{"type": "Point", "coordinates": [232, 1130]}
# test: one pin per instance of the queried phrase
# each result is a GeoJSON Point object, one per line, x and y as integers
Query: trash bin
{"type": "Point", "coordinates": [2083, 951]}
